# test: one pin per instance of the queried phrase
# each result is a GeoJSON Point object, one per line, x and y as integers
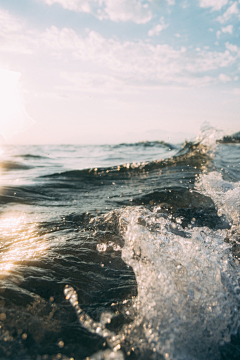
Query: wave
{"type": "Point", "coordinates": [188, 295]}
{"type": "Point", "coordinates": [161, 144]}
{"type": "Point", "coordinates": [148, 254]}
{"type": "Point", "coordinates": [193, 153]}
{"type": "Point", "coordinates": [32, 156]}
{"type": "Point", "coordinates": [23, 195]}
{"type": "Point", "coordinates": [12, 165]}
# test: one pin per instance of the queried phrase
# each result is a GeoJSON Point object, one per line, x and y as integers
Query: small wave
{"type": "Point", "coordinates": [32, 156]}
{"type": "Point", "coordinates": [22, 195]}
{"type": "Point", "coordinates": [12, 165]}
{"type": "Point", "coordinates": [194, 154]}
{"type": "Point", "coordinates": [161, 144]}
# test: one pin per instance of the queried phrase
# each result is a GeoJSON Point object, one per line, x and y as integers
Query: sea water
{"type": "Point", "coordinates": [126, 251]}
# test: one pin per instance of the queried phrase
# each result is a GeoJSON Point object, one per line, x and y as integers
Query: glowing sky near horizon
{"type": "Point", "coordinates": [107, 71]}
{"type": "Point", "coordinates": [13, 116]}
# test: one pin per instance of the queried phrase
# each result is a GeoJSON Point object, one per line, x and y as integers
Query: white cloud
{"type": "Point", "coordinates": [130, 58]}
{"type": "Point", "coordinates": [126, 10]}
{"type": "Point", "coordinates": [236, 91]}
{"type": "Point", "coordinates": [227, 29]}
{"type": "Point", "coordinates": [158, 28]}
{"type": "Point", "coordinates": [232, 10]}
{"type": "Point", "coordinates": [115, 63]}
{"type": "Point", "coordinates": [214, 4]}
{"type": "Point", "coordinates": [171, 2]}
{"type": "Point", "coordinates": [13, 35]}
{"type": "Point", "coordinates": [74, 5]}
{"type": "Point", "coordinates": [224, 78]}
{"type": "Point", "coordinates": [136, 11]}
{"type": "Point", "coordinates": [138, 62]}
{"type": "Point", "coordinates": [8, 24]}
{"type": "Point", "coordinates": [231, 47]}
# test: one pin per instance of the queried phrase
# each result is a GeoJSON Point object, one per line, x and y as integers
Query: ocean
{"type": "Point", "coordinates": [128, 251]}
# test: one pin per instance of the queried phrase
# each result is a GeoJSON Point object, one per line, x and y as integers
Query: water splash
{"type": "Point", "coordinates": [226, 196]}
{"type": "Point", "coordinates": [188, 291]}
{"type": "Point", "coordinates": [114, 341]}
{"type": "Point", "coordinates": [208, 135]}
{"type": "Point", "coordinates": [187, 286]}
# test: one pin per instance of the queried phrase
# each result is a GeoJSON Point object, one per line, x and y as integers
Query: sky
{"type": "Point", "coordinates": [111, 71]}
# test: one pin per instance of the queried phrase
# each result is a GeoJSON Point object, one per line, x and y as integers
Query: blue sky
{"type": "Point", "coordinates": [107, 71]}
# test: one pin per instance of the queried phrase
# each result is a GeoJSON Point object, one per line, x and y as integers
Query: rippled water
{"type": "Point", "coordinates": [126, 251]}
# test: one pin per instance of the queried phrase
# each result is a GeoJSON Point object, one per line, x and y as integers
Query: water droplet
{"type": "Point", "coordinates": [101, 247]}
{"type": "Point", "coordinates": [3, 316]}
{"type": "Point", "coordinates": [61, 344]}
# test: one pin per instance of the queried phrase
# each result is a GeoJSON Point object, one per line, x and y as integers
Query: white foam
{"type": "Point", "coordinates": [187, 286]}
{"type": "Point", "coordinates": [226, 195]}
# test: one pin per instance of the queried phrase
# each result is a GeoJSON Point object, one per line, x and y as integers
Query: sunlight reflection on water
{"type": "Point", "coordinates": [19, 242]}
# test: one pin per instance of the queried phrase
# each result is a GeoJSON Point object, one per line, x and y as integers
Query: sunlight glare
{"type": "Point", "coordinates": [21, 242]}
{"type": "Point", "coordinates": [13, 116]}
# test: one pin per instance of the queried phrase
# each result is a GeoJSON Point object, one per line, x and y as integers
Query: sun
{"type": "Point", "coordinates": [13, 116]}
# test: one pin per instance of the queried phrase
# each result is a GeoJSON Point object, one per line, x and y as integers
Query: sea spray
{"type": "Point", "coordinates": [188, 294]}
{"type": "Point", "coordinates": [188, 291]}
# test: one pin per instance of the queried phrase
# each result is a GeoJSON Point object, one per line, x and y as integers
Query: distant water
{"type": "Point", "coordinates": [128, 251]}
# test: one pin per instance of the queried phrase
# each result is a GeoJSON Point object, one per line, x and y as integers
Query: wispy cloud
{"type": "Point", "coordinates": [171, 2]}
{"type": "Point", "coordinates": [122, 62]}
{"type": "Point", "coordinates": [214, 4]}
{"type": "Point", "coordinates": [125, 10]}
{"type": "Point", "coordinates": [74, 5]}
{"type": "Point", "coordinates": [231, 11]}
{"type": "Point", "coordinates": [227, 29]}
{"type": "Point", "coordinates": [232, 48]}
{"type": "Point", "coordinates": [14, 36]}
{"type": "Point", "coordinates": [224, 78]}
{"type": "Point", "coordinates": [158, 28]}
{"type": "Point", "coordinates": [139, 61]}
{"type": "Point", "coordinates": [136, 11]}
